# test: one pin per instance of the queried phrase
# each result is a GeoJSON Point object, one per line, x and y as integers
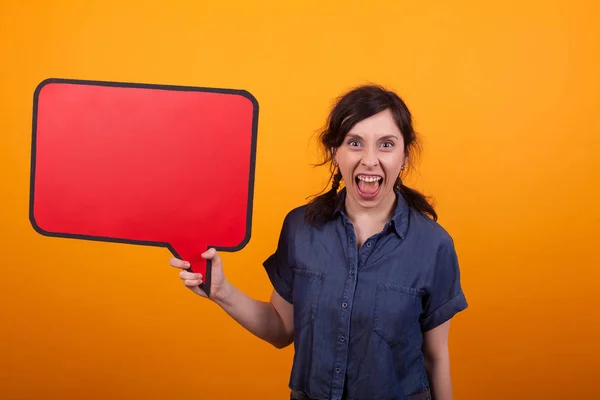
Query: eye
{"type": "Point", "coordinates": [388, 145]}
{"type": "Point", "coordinates": [353, 143]}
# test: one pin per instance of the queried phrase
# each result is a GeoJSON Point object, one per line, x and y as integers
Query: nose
{"type": "Point", "coordinates": [370, 158]}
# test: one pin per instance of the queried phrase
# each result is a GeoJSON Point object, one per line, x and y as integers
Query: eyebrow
{"type": "Point", "coordinates": [386, 137]}
{"type": "Point", "coordinates": [390, 137]}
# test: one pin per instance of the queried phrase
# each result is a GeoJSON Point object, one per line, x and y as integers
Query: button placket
{"type": "Point", "coordinates": [343, 342]}
{"type": "Point", "coordinates": [366, 250]}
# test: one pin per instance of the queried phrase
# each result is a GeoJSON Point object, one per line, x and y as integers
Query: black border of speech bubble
{"type": "Point", "coordinates": [205, 286]}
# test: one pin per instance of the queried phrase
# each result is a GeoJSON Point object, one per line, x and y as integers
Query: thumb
{"type": "Point", "coordinates": [212, 255]}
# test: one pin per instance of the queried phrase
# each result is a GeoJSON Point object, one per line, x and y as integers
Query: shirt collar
{"type": "Point", "coordinates": [399, 219]}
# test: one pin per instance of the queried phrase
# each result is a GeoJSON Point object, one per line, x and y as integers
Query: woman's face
{"type": "Point", "coordinates": [371, 158]}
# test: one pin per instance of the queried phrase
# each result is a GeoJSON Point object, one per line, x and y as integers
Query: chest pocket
{"type": "Point", "coordinates": [397, 312]}
{"type": "Point", "coordinates": [307, 291]}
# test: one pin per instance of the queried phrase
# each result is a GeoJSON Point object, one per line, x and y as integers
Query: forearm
{"type": "Point", "coordinates": [438, 370]}
{"type": "Point", "coordinates": [258, 317]}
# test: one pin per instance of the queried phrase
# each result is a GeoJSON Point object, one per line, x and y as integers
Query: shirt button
{"type": "Point", "coordinates": [369, 244]}
{"type": "Point", "coordinates": [344, 305]}
{"type": "Point", "coordinates": [337, 370]}
{"type": "Point", "coordinates": [351, 272]}
{"type": "Point", "coordinates": [342, 339]}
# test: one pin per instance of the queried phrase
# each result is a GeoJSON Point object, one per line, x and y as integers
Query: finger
{"type": "Point", "coordinates": [177, 263]}
{"type": "Point", "coordinates": [192, 282]}
{"type": "Point", "coordinates": [189, 275]}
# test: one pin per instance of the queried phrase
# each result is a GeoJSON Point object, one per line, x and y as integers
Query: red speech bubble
{"type": "Point", "coordinates": [144, 164]}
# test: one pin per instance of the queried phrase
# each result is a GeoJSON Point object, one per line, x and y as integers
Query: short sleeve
{"type": "Point", "coordinates": [445, 296]}
{"type": "Point", "coordinates": [279, 266]}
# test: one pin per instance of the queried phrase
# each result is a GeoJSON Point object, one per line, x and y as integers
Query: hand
{"type": "Point", "coordinates": [192, 280]}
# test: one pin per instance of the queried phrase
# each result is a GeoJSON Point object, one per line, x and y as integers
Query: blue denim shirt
{"type": "Point", "coordinates": [360, 314]}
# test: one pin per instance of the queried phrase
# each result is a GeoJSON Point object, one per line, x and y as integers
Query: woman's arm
{"type": "Point", "coordinates": [270, 321]}
{"type": "Point", "coordinates": [437, 361]}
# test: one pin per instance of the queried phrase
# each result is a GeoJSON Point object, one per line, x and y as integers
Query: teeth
{"type": "Point", "coordinates": [369, 178]}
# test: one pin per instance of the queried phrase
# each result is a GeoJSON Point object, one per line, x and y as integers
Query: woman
{"type": "Point", "coordinates": [365, 281]}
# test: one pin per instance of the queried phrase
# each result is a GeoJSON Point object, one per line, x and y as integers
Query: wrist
{"type": "Point", "coordinates": [220, 297]}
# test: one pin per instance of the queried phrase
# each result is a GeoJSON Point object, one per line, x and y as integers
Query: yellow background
{"type": "Point", "coordinates": [504, 93]}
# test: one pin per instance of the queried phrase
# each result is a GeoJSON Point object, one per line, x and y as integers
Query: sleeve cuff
{"type": "Point", "coordinates": [446, 311]}
{"type": "Point", "coordinates": [279, 284]}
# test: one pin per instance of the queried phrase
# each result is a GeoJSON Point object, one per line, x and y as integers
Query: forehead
{"type": "Point", "coordinates": [381, 124]}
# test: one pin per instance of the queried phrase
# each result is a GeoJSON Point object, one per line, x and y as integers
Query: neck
{"type": "Point", "coordinates": [381, 213]}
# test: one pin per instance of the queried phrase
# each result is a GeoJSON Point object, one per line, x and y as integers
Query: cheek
{"type": "Point", "coordinates": [392, 164]}
{"type": "Point", "coordinates": [347, 175]}
{"type": "Point", "coordinates": [346, 163]}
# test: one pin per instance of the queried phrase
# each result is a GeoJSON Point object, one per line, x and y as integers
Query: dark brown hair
{"type": "Point", "coordinates": [354, 106]}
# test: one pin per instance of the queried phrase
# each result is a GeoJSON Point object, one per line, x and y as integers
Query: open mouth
{"type": "Point", "coordinates": [368, 186]}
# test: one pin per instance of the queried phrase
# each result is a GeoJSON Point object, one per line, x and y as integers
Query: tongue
{"type": "Point", "coordinates": [368, 187]}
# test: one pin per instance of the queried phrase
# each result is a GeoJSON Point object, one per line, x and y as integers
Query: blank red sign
{"type": "Point", "coordinates": [144, 164]}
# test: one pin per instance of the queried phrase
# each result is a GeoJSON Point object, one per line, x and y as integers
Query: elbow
{"type": "Point", "coordinates": [282, 343]}
{"type": "Point", "coordinates": [429, 362]}
{"type": "Point", "coordinates": [433, 361]}
{"type": "Point", "coordinates": [432, 357]}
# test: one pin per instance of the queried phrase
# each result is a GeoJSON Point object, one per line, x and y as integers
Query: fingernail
{"type": "Point", "coordinates": [187, 264]}
{"type": "Point", "coordinates": [199, 276]}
